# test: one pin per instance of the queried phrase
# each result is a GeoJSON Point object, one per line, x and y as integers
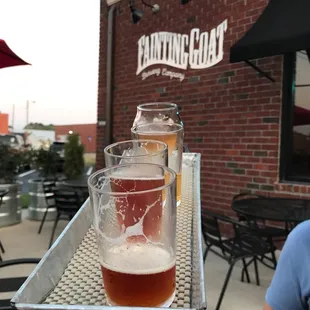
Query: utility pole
{"type": "Point", "coordinates": [27, 110]}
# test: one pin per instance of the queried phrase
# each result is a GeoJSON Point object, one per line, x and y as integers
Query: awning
{"type": "Point", "coordinates": [8, 58]}
{"type": "Point", "coordinates": [283, 27]}
{"type": "Point", "coordinates": [301, 116]}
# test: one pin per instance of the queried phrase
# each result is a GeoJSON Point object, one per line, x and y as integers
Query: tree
{"type": "Point", "coordinates": [9, 164]}
{"type": "Point", "coordinates": [39, 126]}
{"type": "Point", "coordinates": [74, 160]}
{"type": "Point", "coordinates": [46, 161]}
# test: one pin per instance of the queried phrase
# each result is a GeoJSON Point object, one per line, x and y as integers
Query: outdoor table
{"type": "Point", "coordinates": [274, 209]}
{"type": "Point", "coordinates": [69, 277]}
{"type": "Point", "coordinates": [81, 183]}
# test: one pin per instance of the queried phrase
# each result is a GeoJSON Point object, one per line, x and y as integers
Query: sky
{"type": "Point", "coordinates": [60, 38]}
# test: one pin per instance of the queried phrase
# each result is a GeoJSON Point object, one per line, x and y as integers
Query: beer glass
{"type": "Point", "coordinates": [163, 112]}
{"type": "Point", "coordinates": [136, 151]}
{"type": "Point", "coordinates": [172, 135]}
{"type": "Point", "coordinates": [137, 251]}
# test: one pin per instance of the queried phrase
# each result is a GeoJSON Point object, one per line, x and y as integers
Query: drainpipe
{"type": "Point", "coordinates": [109, 98]}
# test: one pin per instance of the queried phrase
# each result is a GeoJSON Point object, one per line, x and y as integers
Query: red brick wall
{"type": "Point", "coordinates": [84, 130]}
{"type": "Point", "coordinates": [4, 123]}
{"type": "Point", "coordinates": [101, 85]}
{"type": "Point", "coordinates": [231, 114]}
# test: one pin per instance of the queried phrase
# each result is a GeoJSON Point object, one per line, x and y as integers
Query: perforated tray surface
{"type": "Point", "coordinates": [68, 277]}
{"type": "Point", "coordinates": [81, 282]}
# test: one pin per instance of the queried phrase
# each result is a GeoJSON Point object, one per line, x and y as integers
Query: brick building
{"type": "Point", "coordinates": [231, 113]}
{"type": "Point", "coordinates": [4, 123]}
{"type": "Point", "coordinates": [87, 134]}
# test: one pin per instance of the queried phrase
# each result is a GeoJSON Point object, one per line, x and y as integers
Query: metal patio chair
{"type": "Point", "coordinates": [246, 243]}
{"type": "Point", "coordinates": [13, 284]}
{"type": "Point", "coordinates": [67, 203]}
{"type": "Point", "coordinates": [2, 194]}
{"type": "Point", "coordinates": [49, 186]}
{"type": "Point", "coordinates": [270, 233]}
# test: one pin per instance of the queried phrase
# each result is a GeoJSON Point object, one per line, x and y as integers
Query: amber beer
{"type": "Point", "coordinates": [133, 208]}
{"type": "Point", "coordinates": [139, 275]}
{"type": "Point", "coordinates": [171, 139]}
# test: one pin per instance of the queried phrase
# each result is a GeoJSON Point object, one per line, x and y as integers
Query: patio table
{"type": "Point", "coordinates": [274, 209]}
{"type": "Point", "coordinates": [69, 277]}
{"type": "Point", "coordinates": [75, 183]}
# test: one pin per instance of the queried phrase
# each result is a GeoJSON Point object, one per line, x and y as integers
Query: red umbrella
{"type": "Point", "coordinates": [301, 116]}
{"type": "Point", "coordinates": [8, 58]}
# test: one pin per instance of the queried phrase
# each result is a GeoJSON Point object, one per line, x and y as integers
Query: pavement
{"type": "Point", "coordinates": [239, 295]}
{"type": "Point", "coordinates": [23, 240]}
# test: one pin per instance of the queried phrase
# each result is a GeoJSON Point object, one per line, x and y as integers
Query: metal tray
{"type": "Point", "coordinates": [68, 276]}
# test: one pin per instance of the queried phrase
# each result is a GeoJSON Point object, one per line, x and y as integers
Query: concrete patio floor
{"type": "Point", "coordinates": [22, 240]}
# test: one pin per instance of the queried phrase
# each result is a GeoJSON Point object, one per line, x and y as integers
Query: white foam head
{"type": "Point", "coordinates": [137, 258]}
{"type": "Point", "coordinates": [135, 172]}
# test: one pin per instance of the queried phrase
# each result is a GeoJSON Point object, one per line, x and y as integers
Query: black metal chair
{"type": "Point", "coordinates": [246, 243]}
{"type": "Point", "coordinates": [49, 186]}
{"type": "Point", "coordinates": [2, 194]}
{"type": "Point", "coordinates": [270, 233]}
{"type": "Point", "coordinates": [13, 284]}
{"type": "Point", "coordinates": [82, 193]}
{"type": "Point", "coordinates": [67, 202]}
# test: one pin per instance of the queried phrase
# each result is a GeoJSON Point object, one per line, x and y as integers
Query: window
{"type": "Point", "coordinates": [295, 138]}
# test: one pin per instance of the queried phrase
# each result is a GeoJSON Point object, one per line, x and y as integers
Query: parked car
{"type": "Point", "coordinates": [13, 141]}
{"type": "Point", "coordinates": [59, 148]}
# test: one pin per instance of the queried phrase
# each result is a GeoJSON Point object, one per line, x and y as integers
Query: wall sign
{"type": "Point", "coordinates": [197, 50]}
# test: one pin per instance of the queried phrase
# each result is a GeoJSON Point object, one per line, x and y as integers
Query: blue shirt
{"type": "Point", "coordinates": [290, 286]}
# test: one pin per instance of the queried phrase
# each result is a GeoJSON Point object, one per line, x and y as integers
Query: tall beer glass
{"type": "Point", "coordinates": [172, 135]}
{"type": "Point", "coordinates": [137, 253]}
{"type": "Point", "coordinates": [163, 112]}
{"type": "Point", "coordinates": [136, 151]}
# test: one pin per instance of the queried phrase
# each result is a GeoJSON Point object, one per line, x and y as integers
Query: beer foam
{"type": "Point", "coordinates": [129, 173]}
{"type": "Point", "coordinates": [137, 258]}
{"type": "Point", "coordinates": [160, 132]}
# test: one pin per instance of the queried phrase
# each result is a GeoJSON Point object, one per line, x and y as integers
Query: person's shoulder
{"type": "Point", "coordinates": [301, 233]}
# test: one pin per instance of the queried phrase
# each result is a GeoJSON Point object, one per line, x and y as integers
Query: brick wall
{"type": "Point", "coordinates": [87, 134]}
{"type": "Point", "coordinates": [101, 85]}
{"type": "Point", "coordinates": [231, 114]}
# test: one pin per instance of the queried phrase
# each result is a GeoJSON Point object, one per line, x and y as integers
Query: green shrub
{"type": "Point", "coordinates": [74, 160]}
{"type": "Point", "coordinates": [11, 161]}
{"type": "Point", "coordinates": [25, 200]}
{"type": "Point", "coordinates": [46, 162]}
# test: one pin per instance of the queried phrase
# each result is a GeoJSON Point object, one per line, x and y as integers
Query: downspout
{"type": "Point", "coordinates": [109, 85]}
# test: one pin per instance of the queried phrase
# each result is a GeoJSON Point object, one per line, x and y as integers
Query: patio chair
{"type": "Point", "coordinates": [67, 202]}
{"type": "Point", "coordinates": [186, 148]}
{"type": "Point", "coordinates": [246, 243]}
{"type": "Point", "coordinates": [270, 233]}
{"type": "Point", "coordinates": [49, 187]}
{"type": "Point", "coordinates": [83, 194]}
{"type": "Point", "coordinates": [81, 191]}
{"type": "Point", "coordinates": [2, 194]}
{"type": "Point", "coordinates": [13, 284]}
